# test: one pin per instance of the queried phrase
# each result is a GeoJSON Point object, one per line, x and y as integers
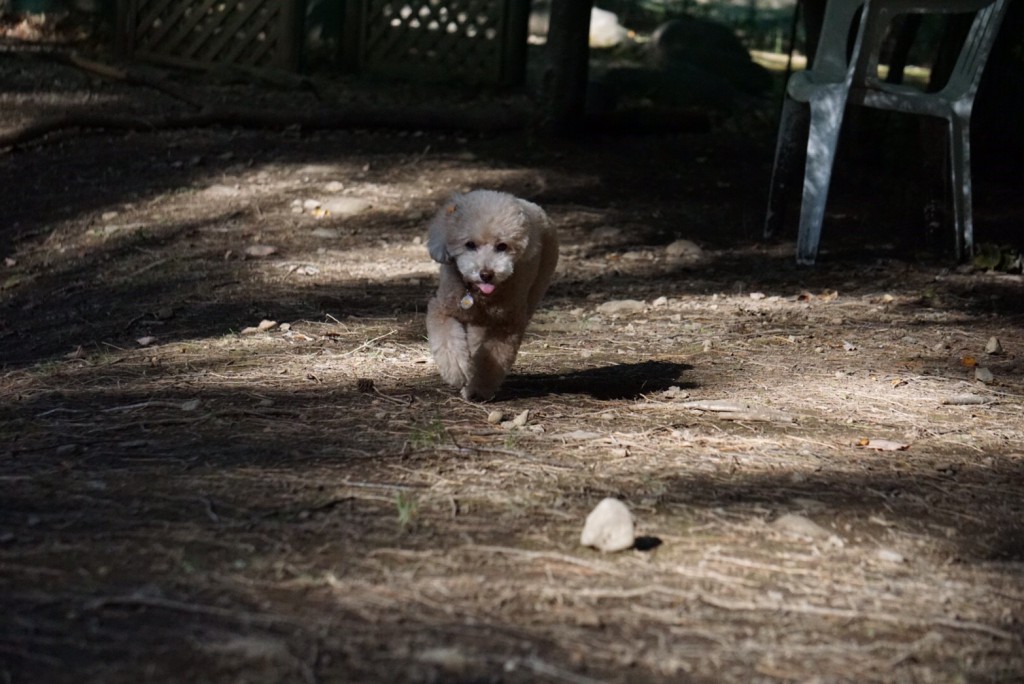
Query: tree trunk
{"type": "Point", "coordinates": [568, 53]}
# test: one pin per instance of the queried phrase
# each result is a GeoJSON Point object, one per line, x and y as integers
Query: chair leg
{"type": "Point", "coordinates": [960, 181]}
{"type": "Point", "coordinates": [826, 120]}
{"type": "Point", "coordinates": [791, 124]}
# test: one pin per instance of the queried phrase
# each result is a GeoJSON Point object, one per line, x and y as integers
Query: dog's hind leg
{"type": "Point", "coordinates": [448, 345]}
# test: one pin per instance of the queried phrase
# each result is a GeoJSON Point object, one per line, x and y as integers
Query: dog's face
{"type": "Point", "coordinates": [484, 234]}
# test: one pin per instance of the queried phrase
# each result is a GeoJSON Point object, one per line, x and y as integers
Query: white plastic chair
{"type": "Point", "coordinates": [836, 80]}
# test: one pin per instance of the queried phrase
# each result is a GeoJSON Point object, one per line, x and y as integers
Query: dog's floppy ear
{"type": "Point", "coordinates": [531, 212]}
{"type": "Point", "coordinates": [437, 233]}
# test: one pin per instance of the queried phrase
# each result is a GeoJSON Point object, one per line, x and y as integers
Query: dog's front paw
{"type": "Point", "coordinates": [469, 393]}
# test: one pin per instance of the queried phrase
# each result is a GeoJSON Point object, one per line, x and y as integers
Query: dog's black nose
{"type": "Point", "coordinates": [486, 276]}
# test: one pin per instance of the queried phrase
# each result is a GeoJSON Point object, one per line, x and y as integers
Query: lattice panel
{"type": "Point", "coordinates": [467, 40]}
{"type": "Point", "coordinates": [245, 33]}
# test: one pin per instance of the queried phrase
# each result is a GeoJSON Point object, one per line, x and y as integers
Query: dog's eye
{"type": "Point", "coordinates": [501, 247]}
{"type": "Point", "coordinates": [471, 246]}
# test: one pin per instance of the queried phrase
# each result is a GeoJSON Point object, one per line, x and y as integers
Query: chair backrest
{"type": "Point", "coordinates": [966, 73]}
{"type": "Point", "coordinates": [831, 63]}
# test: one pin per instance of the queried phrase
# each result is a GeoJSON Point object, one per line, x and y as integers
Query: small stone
{"type": "Point", "coordinates": [684, 249]}
{"type": "Point", "coordinates": [495, 417]}
{"type": "Point", "coordinates": [983, 375]}
{"type": "Point", "coordinates": [266, 325]}
{"type": "Point", "coordinates": [346, 206]}
{"type": "Point", "coordinates": [310, 204]}
{"type": "Point", "coordinates": [993, 346]}
{"type": "Point", "coordinates": [756, 296]}
{"type": "Point", "coordinates": [660, 301]}
{"type": "Point", "coordinates": [260, 251]}
{"type": "Point", "coordinates": [327, 233]}
{"type": "Point", "coordinates": [621, 306]}
{"type": "Point", "coordinates": [517, 422]}
{"type": "Point", "coordinates": [890, 556]}
{"type": "Point", "coordinates": [609, 527]}
{"type": "Point", "coordinates": [334, 186]}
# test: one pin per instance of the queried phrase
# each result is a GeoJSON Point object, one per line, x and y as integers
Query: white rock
{"type": "Point", "coordinates": [983, 375]}
{"type": "Point", "coordinates": [517, 422]}
{"type": "Point", "coordinates": [684, 249]}
{"type": "Point", "coordinates": [609, 527]}
{"type": "Point", "coordinates": [345, 206]}
{"type": "Point", "coordinates": [310, 204]}
{"type": "Point", "coordinates": [993, 346]}
{"type": "Point", "coordinates": [621, 306]}
{"type": "Point", "coordinates": [334, 186]}
{"type": "Point", "coordinates": [890, 556]}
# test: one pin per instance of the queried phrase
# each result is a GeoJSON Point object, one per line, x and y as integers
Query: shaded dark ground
{"type": "Point", "coordinates": [213, 506]}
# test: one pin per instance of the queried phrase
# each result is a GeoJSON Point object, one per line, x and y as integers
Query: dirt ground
{"type": "Point", "coordinates": [824, 490]}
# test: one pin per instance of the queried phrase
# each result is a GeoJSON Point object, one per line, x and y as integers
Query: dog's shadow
{"type": "Point", "coordinates": [621, 381]}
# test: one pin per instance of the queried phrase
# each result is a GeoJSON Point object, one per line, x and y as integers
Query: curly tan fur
{"type": "Point", "coordinates": [497, 254]}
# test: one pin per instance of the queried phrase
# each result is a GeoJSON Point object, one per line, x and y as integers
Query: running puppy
{"type": "Point", "coordinates": [497, 254]}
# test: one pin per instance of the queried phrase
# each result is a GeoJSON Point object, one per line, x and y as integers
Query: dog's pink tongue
{"type": "Point", "coordinates": [486, 288]}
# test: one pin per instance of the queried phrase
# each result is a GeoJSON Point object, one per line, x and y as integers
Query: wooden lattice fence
{"type": "Point", "coordinates": [474, 41]}
{"type": "Point", "coordinates": [244, 33]}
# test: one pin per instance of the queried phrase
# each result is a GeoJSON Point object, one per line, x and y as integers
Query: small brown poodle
{"type": "Point", "coordinates": [497, 254]}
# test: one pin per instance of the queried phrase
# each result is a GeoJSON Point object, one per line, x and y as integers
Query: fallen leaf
{"type": "Point", "coordinates": [969, 361]}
